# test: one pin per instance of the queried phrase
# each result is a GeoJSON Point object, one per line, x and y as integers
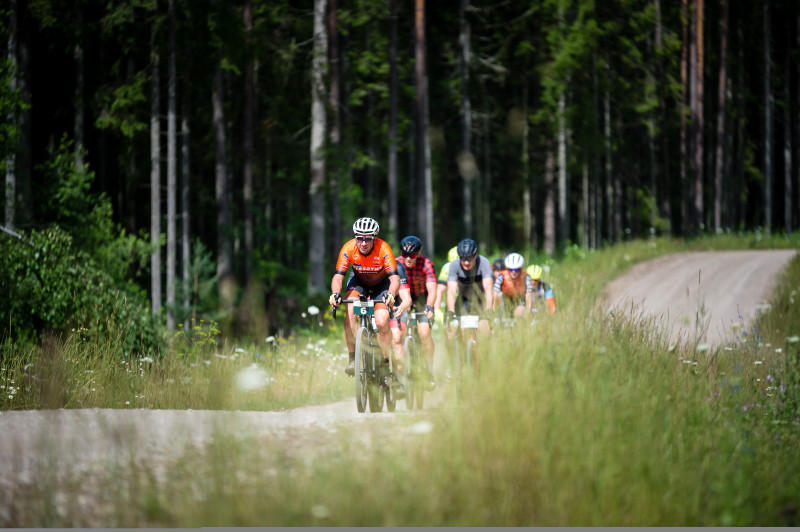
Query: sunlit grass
{"type": "Point", "coordinates": [583, 419]}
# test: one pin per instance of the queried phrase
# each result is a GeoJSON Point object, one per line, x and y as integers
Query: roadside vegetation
{"type": "Point", "coordinates": [585, 419]}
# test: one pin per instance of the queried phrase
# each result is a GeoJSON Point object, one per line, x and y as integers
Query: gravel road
{"type": "Point", "coordinates": [727, 283]}
{"type": "Point", "coordinates": [724, 284]}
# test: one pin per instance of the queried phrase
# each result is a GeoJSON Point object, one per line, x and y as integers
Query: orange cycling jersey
{"type": "Point", "coordinates": [369, 269]}
{"type": "Point", "coordinates": [510, 287]}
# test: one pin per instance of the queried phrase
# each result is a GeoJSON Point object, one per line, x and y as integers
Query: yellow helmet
{"type": "Point", "coordinates": [452, 254]}
{"type": "Point", "coordinates": [535, 271]}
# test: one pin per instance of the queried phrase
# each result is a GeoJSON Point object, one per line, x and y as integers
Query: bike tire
{"type": "Point", "coordinates": [387, 384]}
{"type": "Point", "coordinates": [362, 374]}
{"type": "Point", "coordinates": [472, 363]}
{"type": "Point", "coordinates": [457, 368]}
{"type": "Point", "coordinates": [409, 346]}
{"type": "Point", "coordinates": [375, 391]}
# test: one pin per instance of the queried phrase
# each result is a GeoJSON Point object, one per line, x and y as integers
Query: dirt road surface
{"type": "Point", "coordinates": [44, 444]}
{"type": "Point", "coordinates": [710, 287]}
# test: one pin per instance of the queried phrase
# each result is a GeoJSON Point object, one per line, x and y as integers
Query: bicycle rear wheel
{"type": "Point", "coordinates": [375, 390]}
{"type": "Point", "coordinates": [361, 376]}
{"type": "Point", "coordinates": [410, 371]}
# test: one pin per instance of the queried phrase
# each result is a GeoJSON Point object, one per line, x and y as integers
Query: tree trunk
{"type": "Point", "coordinates": [186, 252]}
{"type": "Point", "coordinates": [335, 129]}
{"type": "Point", "coordinates": [527, 210]}
{"type": "Point", "coordinates": [767, 118]}
{"type": "Point", "coordinates": [78, 128]}
{"type": "Point", "coordinates": [697, 118]}
{"type": "Point", "coordinates": [394, 230]}
{"type": "Point", "coordinates": [787, 143]}
{"type": "Point", "coordinates": [611, 207]}
{"type": "Point", "coordinates": [316, 248]}
{"type": "Point", "coordinates": [549, 202]}
{"type": "Point", "coordinates": [155, 185]}
{"type": "Point", "coordinates": [467, 165]}
{"type": "Point", "coordinates": [172, 171]}
{"type": "Point", "coordinates": [11, 156]}
{"type": "Point", "coordinates": [425, 216]}
{"type": "Point", "coordinates": [723, 80]}
{"type": "Point", "coordinates": [684, 138]}
{"type": "Point", "coordinates": [224, 242]}
{"type": "Point", "coordinates": [247, 133]}
{"type": "Point", "coordinates": [665, 204]}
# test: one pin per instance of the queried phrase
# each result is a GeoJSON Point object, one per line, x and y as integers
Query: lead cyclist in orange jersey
{"type": "Point", "coordinates": [374, 275]}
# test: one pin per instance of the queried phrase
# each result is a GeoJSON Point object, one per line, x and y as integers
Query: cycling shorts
{"type": "Point", "coordinates": [355, 289]}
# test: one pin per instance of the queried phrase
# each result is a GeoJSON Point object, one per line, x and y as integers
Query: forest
{"type": "Point", "coordinates": [207, 158]}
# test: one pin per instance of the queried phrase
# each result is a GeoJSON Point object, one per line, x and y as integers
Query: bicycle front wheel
{"type": "Point", "coordinates": [362, 379]}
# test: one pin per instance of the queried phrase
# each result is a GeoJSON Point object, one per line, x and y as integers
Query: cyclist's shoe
{"type": "Point", "coordinates": [351, 368]}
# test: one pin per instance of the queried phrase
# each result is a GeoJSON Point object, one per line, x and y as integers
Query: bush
{"type": "Point", "coordinates": [48, 285]}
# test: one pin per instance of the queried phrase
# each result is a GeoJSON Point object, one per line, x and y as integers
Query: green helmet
{"type": "Point", "coordinates": [535, 271]}
{"type": "Point", "coordinates": [452, 254]}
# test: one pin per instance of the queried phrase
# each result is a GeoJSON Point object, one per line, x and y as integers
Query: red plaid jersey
{"type": "Point", "coordinates": [422, 272]}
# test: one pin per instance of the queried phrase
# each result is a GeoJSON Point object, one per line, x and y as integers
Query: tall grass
{"type": "Point", "coordinates": [584, 419]}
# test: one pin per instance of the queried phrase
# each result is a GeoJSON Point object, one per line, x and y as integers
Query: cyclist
{"type": "Point", "coordinates": [540, 288]}
{"type": "Point", "coordinates": [375, 275]}
{"type": "Point", "coordinates": [421, 278]}
{"type": "Point", "coordinates": [498, 266]}
{"type": "Point", "coordinates": [441, 286]}
{"type": "Point", "coordinates": [471, 278]}
{"type": "Point", "coordinates": [514, 284]}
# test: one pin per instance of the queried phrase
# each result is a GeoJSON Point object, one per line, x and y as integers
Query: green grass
{"type": "Point", "coordinates": [597, 420]}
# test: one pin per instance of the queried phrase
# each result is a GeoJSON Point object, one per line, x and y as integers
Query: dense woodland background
{"type": "Point", "coordinates": [212, 155]}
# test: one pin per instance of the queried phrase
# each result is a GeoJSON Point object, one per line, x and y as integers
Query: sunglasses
{"type": "Point", "coordinates": [513, 270]}
{"type": "Point", "coordinates": [410, 255]}
{"type": "Point", "coordinates": [365, 238]}
{"type": "Point", "coordinates": [468, 259]}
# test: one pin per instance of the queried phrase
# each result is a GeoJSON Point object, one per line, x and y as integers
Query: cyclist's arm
{"type": "Point", "coordinates": [498, 289]}
{"type": "Point", "coordinates": [433, 294]}
{"type": "Point", "coordinates": [405, 302]}
{"type": "Point", "coordinates": [394, 284]}
{"type": "Point", "coordinates": [452, 290]}
{"type": "Point", "coordinates": [336, 283]}
{"type": "Point", "coordinates": [488, 292]}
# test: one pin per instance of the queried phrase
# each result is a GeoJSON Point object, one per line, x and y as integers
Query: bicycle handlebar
{"type": "Point", "coordinates": [346, 301]}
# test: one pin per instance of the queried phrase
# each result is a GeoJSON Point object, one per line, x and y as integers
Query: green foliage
{"type": "Point", "coordinates": [87, 217]}
{"type": "Point", "coordinates": [49, 285]}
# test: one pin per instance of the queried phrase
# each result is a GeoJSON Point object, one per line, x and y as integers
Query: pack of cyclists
{"type": "Point", "coordinates": [468, 283]}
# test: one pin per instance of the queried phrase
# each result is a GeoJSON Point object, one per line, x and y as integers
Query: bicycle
{"type": "Point", "coordinates": [374, 375]}
{"type": "Point", "coordinates": [414, 377]}
{"type": "Point", "coordinates": [468, 360]}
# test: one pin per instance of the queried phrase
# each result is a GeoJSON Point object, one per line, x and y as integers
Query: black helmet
{"type": "Point", "coordinates": [411, 244]}
{"type": "Point", "coordinates": [467, 248]}
{"type": "Point", "coordinates": [498, 264]}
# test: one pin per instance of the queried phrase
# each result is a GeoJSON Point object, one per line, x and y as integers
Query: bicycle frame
{"type": "Point", "coordinates": [373, 379]}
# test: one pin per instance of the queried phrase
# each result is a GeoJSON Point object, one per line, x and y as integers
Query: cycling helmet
{"type": "Point", "coordinates": [366, 227]}
{"type": "Point", "coordinates": [467, 248]}
{"type": "Point", "coordinates": [514, 261]}
{"type": "Point", "coordinates": [411, 244]}
{"type": "Point", "coordinates": [535, 271]}
{"type": "Point", "coordinates": [452, 254]}
{"type": "Point", "coordinates": [498, 264]}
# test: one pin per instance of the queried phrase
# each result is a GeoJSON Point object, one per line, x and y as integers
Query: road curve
{"type": "Point", "coordinates": [715, 286]}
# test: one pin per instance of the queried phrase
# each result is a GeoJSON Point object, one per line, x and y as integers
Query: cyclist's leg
{"type": "Point", "coordinates": [397, 328]}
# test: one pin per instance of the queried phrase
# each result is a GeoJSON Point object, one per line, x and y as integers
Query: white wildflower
{"type": "Point", "coordinates": [422, 427]}
{"type": "Point", "coordinates": [758, 363]}
{"type": "Point", "coordinates": [793, 339]}
{"type": "Point", "coordinates": [313, 311]}
{"type": "Point", "coordinates": [251, 378]}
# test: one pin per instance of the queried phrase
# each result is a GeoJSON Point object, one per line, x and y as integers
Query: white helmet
{"type": "Point", "coordinates": [514, 261]}
{"type": "Point", "coordinates": [366, 227]}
